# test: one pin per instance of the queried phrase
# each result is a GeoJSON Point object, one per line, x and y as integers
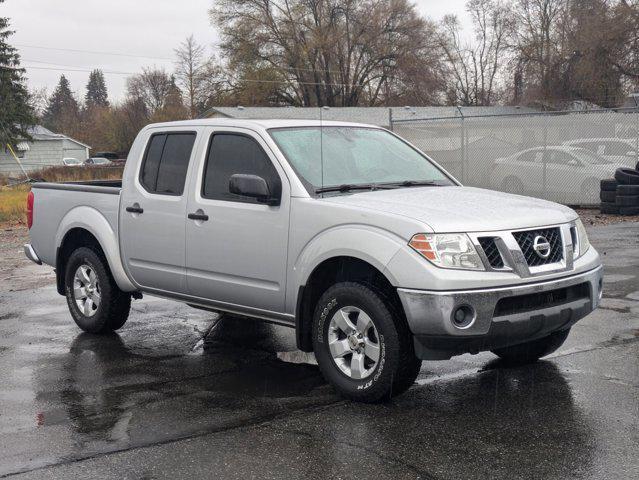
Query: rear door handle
{"type": "Point", "coordinates": [135, 209]}
{"type": "Point", "coordinates": [202, 217]}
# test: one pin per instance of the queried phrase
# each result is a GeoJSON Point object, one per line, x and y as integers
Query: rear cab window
{"type": "Point", "coordinates": [166, 162]}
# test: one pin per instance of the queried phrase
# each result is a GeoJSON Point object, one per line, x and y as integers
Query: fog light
{"type": "Point", "coordinates": [464, 316]}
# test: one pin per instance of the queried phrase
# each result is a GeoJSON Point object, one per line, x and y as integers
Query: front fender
{"type": "Point", "coordinates": [93, 221]}
{"type": "Point", "coordinates": [369, 244]}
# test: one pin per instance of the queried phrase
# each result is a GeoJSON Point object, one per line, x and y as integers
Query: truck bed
{"type": "Point", "coordinates": [59, 205]}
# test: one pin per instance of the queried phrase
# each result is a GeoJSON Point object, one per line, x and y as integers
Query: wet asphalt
{"type": "Point", "coordinates": [181, 393]}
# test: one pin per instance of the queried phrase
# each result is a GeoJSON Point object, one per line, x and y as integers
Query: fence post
{"type": "Point", "coordinates": [390, 118]}
{"type": "Point", "coordinates": [545, 157]}
{"type": "Point", "coordinates": [463, 146]}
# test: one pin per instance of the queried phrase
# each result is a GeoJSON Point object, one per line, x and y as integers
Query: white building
{"type": "Point", "coordinates": [47, 149]}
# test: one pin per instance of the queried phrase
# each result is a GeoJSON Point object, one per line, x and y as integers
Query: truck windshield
{"type": "Point", "coordinates": [354, 156]}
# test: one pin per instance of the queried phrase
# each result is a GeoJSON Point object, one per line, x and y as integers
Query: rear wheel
{"type": "Point", "coordinates": [532, 351]}
{"type": "Point", "coordinates": [96, 303]}
{"type": "Point", "coordinates": [362, 344]}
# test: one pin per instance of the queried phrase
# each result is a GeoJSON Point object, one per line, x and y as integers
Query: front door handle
{"type": "Point", "coordinates": [135, 209]}
{"type": "Point", "coordinates": [202, 217]}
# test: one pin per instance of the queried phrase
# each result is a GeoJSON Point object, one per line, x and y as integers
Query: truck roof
{"type": "Point", "coordinates": [266, 124]}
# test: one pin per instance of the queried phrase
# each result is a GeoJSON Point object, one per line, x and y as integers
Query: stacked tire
{"type": "Point", "coordinates": [620, 195]}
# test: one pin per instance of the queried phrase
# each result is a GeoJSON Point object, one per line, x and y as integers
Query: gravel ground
{"type": "Point", "coordinates": [16, 272]}
{"type": "Point", "coordinates": [592, 217]}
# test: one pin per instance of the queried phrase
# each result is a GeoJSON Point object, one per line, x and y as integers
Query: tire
{"type": "Point", "coordinates": [629, 210]}
{"type": "Point", "coordinates": [609, 208]}
{"type": "Point", "coordinates": [87, 269]}
{"type": "Point", "coordinates": [608, 196]}
{"type": "Point", "coordinates": [396, 367]}
{"type": "Point", "coordinates": [628, 190]}
{"type": "Point", "coordinates": [627, 200]}
{"type": "Point", "coordinates": [609, 185]}
{"type": "Point", "coordinates": [627, 176]}
{"type": "Point", "coordinates": [532, 351]}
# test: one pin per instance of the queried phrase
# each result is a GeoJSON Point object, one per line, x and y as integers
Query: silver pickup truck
{"type": "Point", "coordinates": [375, 255]}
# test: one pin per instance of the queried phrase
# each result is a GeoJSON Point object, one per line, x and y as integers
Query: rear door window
{"type": "Point", "coordinates": [166, 163]}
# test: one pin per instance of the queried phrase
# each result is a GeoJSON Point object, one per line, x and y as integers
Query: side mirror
{"type": "Point", "coordinates": [252, 186]}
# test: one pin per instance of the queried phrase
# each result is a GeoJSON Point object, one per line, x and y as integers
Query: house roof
{"type": "Point", "coordinates": [370, 115]}
{"type": "Point", "coordinates": [38, 132]}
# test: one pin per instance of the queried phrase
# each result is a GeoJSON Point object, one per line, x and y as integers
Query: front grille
{"type": "Point", "coordinates": [491, 251]}
{"type": "Point", "coordinates": [526, 242]}
{"type": "Point", "coordinates": [535, 301]}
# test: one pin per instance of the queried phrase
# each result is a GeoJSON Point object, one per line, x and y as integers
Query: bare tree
{"type": "Point", "coordinates": [153, 87]}
{"type": "Point", "coordinates": [190, 72]}
{"type": "Point", "coordinates": [539, 40]}
{"type": "Point", "coordinates": [39, 99]}
{"type": "Point", "coordinates": [474, 66]}
{"type": "Point", "coordinates": [322, 52]}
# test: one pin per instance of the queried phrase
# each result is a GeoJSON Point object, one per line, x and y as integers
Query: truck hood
{"type": "Point", "coordinates": [460, 209]}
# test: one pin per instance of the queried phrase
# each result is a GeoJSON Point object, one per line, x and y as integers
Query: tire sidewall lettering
{"type": "Point", "coordinates": [322, 320]}
{"type": "Point", "coordinates": [380, 367]}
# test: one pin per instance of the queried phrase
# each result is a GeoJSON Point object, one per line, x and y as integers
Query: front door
{"type": "Point", "coordinates": [153, 213]}
{"type": "Point", "coordinates": [236, 247]}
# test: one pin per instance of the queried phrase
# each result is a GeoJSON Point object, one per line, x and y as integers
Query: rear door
{"type": "Point", "coordinates": [153, 213]}
{"type": "Point", "coordinates": [238, 256]}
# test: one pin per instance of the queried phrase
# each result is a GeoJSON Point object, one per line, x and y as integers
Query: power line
{"type": "Point", "coordinates": [116, 54]}
{"type": "Point", "coordinates": [107, 72]}
{"type": "Point", "coordinates": [293, 69]}
{"type": "Point", "coordinates": [248, 80]}
{"type": "Point", "coordinates": [52, 63]}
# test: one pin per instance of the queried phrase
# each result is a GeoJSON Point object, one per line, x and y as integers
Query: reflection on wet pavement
{"type": "Point", "coordinates": [181, 392]}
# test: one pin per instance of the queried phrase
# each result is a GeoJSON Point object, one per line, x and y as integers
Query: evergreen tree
{"type": "Point", "coordinates": [96, 95]}
{"type": "Point", "coordinates": [63, 113]}
{"type": "Point", "coordinates": [16, 114]}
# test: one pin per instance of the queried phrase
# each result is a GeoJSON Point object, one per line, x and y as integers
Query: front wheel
{"type": "Point", "coordinates": [96, 303]}
{"type": "Point", "coordinates": [362, 344]}
{"type": "Point", "coordinates": [532, 351]}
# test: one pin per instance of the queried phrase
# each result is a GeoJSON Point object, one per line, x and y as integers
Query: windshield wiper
{"type": "Point", "coordinates": [347, 187]}
{"type": "Point", "coordinates": [413, 183]}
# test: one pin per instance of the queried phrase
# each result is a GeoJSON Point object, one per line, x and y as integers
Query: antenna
{"type": "Point", "coordinates": [322, 145]}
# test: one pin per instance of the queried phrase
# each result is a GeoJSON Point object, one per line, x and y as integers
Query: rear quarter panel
{"type": "Point", "coordinates": [56, 212]}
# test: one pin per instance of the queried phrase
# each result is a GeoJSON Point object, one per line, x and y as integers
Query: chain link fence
{"type": "Point", "coordinates": [558, 156]}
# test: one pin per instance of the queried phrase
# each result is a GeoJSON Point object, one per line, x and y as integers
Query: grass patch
{"type": "Point", "coordinates": [13, 203]}
{"type": "Point", "coordinates": [72, 174]}
{"type": "Point", "coordinates": [13, 199]}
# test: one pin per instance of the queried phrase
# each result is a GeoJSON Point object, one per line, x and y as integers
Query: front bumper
{"type": "Point", "coordinates": [500, 316]}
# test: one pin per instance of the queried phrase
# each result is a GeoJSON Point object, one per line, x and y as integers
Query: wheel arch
{"type": "Point", "coordinates": [85, 226]}
{"type": "Point", "coordinates": [329, 272]}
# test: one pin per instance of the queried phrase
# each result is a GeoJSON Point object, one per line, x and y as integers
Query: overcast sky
{"type": "Point", "coordinates": [123, 35]}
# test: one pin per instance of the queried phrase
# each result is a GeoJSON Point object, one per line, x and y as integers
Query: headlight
{"type": "Point", "coordinates": [450, 250]}
{"type": "Point", "coordinates": [583, 244]}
